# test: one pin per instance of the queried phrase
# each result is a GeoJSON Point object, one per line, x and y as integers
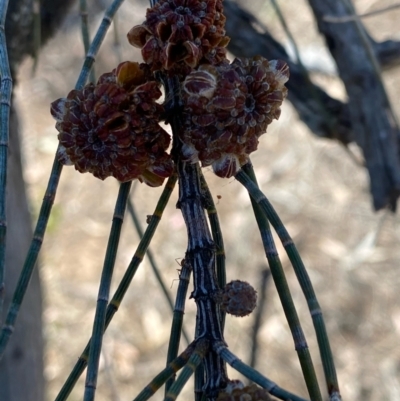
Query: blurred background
{"type": "Point", "coordinates": [318, 187]}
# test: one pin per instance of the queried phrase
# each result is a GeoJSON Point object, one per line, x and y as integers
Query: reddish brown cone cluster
{"type": "Point", "coordinates": [111, 128]}
{"type": "Point", "coordinates": [236, 391]}
{"type": "Point", "coordinates": [239, 298]}
{"type": "Point", "coordinates": [178, 35]}
{"type": "Point", "coordinates": [227, 108]}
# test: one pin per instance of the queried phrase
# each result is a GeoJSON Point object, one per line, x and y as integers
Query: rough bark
{"type": "Point", "coordinates": [358, 121]}
{"type": "Point", "coordinates": [374, 127]}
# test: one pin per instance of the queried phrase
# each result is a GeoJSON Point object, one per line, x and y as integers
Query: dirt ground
{"type": "Point", "coordinates": [321, 194]}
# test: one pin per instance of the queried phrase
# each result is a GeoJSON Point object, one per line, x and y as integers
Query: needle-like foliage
{"type": "Point", "coordinates": [5, 104]}
{"type": "Point", "coordinates": [217, 111]}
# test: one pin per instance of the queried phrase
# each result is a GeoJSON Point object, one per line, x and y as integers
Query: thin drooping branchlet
{"type": "Point", "coordinates": [97, 41]}
{"type": "Point", "coordinates": [200, 374]}
{"type": "Point", "coordinates": [253, 374]}
{"type": "Point", "coordinates": [303, 279]}
{"type": "Point", "coordinates": [166, 373]}
{"type": "Point", "coordinates": [84, 24]}
{"type": "Point", "coordinates": [49, 196]}
{"type": "Point", "coordinates": [292, 41]}
{"type": "Point", "coordinates": [104, 292]}
{"type": "Point", "coordinates": [5, 105]}
{"type": "Point", "coordinates": [285, 296]}
{"type": "Point", "coordinates": [123, 286]}
{"type": "Point", "coordinates": [117, 47]}
{"type": "Point", "coordinates": [177, 320]}
{"type": "Point", "coordinates": [199, 383]}
{"type": "Point", "coordinates": [37, 33]}
{"type": "Point", "coordinates": [85, 32]}
{"type": "Point", "coordinates": [216, 233]}
{"type": "Point", "coordinates": [31, 258]}
{"type": "Point", "coordinates": [265, 275]}
{"type": "Point", "coordinates": [153, 264]}
{"type": "Point", "coordinates": [202, 347]}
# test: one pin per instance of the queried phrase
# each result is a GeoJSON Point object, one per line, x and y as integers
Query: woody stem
{"type": "Point", "coordinates": [201, 256]}
{"type": "Point", "coordinates": [200, 253]}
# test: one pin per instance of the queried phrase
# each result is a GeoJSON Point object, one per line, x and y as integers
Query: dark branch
{"type": "Point", "coordinates": [387, 53]}
{"type": "Point", "coordinates": [19, 26]}
{"type": "Point", "coordinates": [364, 120]}
{"type": "Point", "coordinates": [374, 126]}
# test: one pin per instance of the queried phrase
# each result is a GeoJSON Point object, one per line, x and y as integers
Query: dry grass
{"type": "Point", "coordinates": [352, 253]}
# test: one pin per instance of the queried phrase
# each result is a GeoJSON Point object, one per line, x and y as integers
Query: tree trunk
{"type": "Point", "coordinates": [21, 369]}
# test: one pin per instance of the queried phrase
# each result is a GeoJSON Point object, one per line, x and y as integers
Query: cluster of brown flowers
{"type": "Point", "coordinates": [178, 35]}
{"type": "Point", "coordinates": [227, 109]}
{"type": "Point", "coordinates": [112, 128]}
